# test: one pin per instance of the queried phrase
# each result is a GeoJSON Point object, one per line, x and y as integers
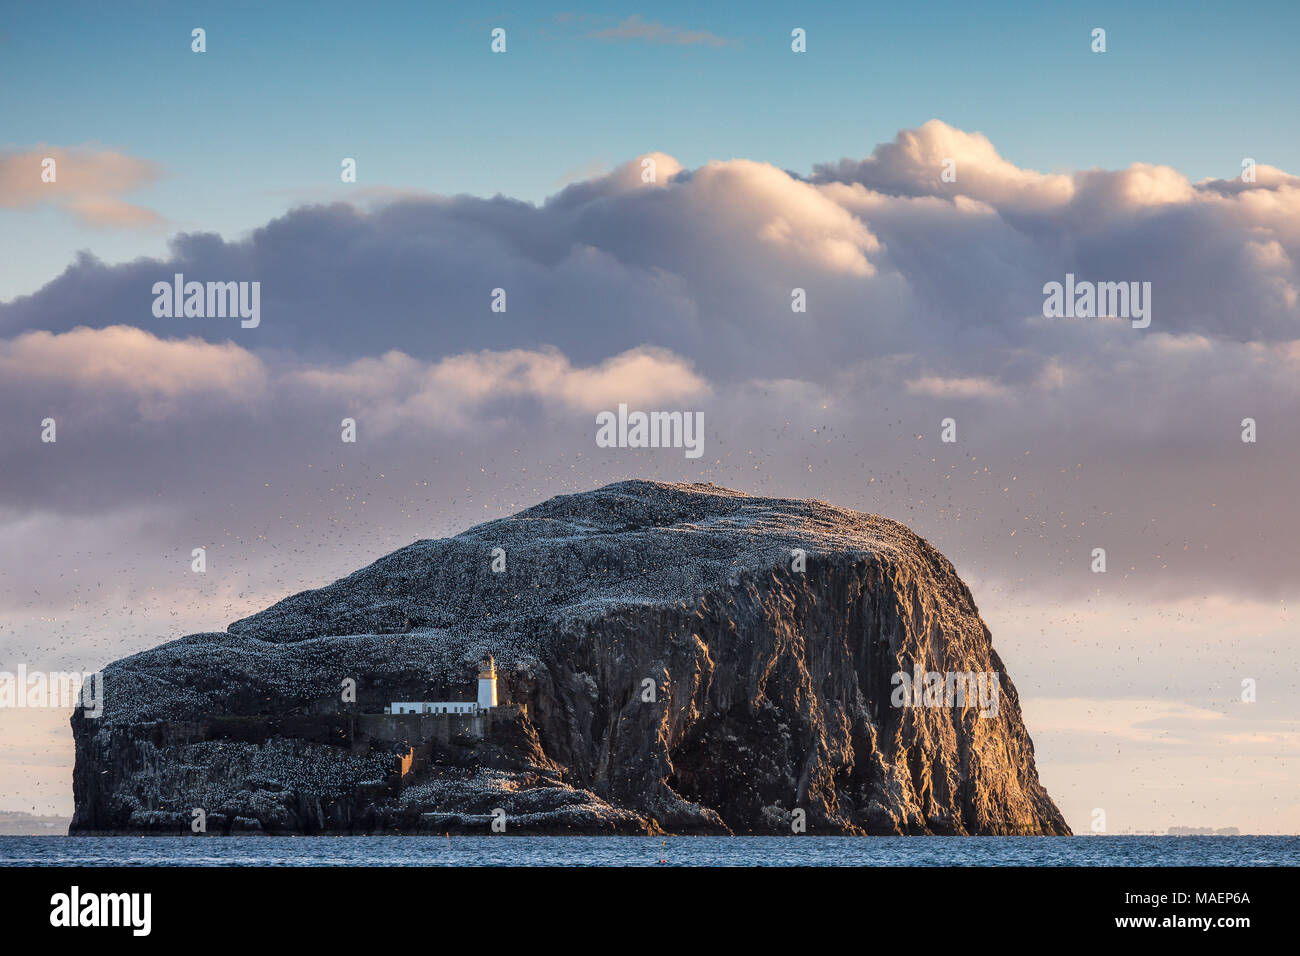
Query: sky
{"type": "Point", "coordinates": [775, 171]}
{"type": "Point", "coordinates": [285, 91]}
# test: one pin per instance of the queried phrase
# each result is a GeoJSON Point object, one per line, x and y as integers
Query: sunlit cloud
{"type": "Point", "coordinates": [87, 181]}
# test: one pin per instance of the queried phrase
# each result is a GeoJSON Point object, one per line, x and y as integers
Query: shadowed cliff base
{"type": "Point", "coordinates": [672, 658]}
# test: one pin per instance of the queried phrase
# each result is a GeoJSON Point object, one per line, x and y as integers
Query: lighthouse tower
{"type": "Point", "coordinates": [487, 685]}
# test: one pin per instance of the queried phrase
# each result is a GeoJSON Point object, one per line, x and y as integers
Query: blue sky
{"type": "Point", "coordinates": [261, 121]}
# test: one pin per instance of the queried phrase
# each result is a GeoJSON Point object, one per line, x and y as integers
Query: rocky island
{"type": "Point", "coordinates": [672, 658]}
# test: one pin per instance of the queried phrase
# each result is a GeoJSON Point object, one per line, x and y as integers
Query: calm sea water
{"type": "Point", "coordinates": [650, 851]}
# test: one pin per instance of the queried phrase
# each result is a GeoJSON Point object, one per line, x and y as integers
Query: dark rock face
{"type": "Point", "coordinates": [772, 687]}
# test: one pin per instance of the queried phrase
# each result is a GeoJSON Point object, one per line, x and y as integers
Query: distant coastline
{"type": "Point", "coordinates": [18, 823]}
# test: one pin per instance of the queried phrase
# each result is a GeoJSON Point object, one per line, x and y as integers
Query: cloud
{"type": "Point", "coordinates": [649, 31]}
{"type": "Point", "coordinates": [938, 387]}
{"type": "Point", "coordinates": [121, 362]}
{"type": "Point", "coordinates": [85, 180]}
{"type": "Point", "coordinates": [127, 361]}
{"type": "Point", "coordinates": [915, 163]}
{"type": "Point", "coordinates": [605, 266]}
{"type": "Point", "coordinates": [401, 391]}
{"type": "Point", "coordinates": [1266, 177]}
{"type": "Point", "coordinates": [924, 302]}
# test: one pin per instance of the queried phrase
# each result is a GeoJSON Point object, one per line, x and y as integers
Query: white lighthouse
{"type": "Point", "coordinates": [487, 685]}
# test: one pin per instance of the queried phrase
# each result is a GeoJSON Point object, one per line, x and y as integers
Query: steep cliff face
{"type": "Point", "coordinates": [671, 661]}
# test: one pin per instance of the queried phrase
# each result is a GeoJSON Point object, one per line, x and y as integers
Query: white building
{"type": "Point", "coordinates": [487, 685]}
{"type": "Point", "coordinates": [432, 707]}
{"type": "Point", "coordinates": [487, 698]}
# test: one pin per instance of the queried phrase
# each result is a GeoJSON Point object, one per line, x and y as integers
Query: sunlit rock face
{"type": "Point", "coordinates": [679, 658]}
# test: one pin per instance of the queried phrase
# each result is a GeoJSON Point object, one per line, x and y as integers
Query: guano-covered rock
{"type": "Point", "coordinates": [666, 664]}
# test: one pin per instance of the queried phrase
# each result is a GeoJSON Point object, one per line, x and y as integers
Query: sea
{"type": "Point", "coordinates": [586, 851]}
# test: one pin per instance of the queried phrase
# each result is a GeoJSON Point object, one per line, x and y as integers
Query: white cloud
{"type": "Point", "coordinates": [123, 360]}
{"type": "Point", "coordinates": [458, 391]}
